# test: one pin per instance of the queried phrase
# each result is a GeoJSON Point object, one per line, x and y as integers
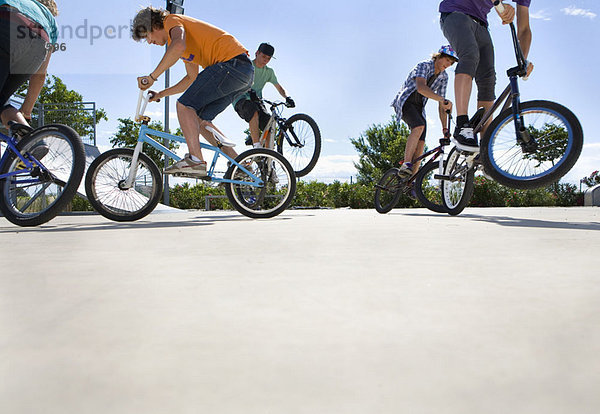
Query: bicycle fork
{"type": "Point", "coordinates": [128, 183]}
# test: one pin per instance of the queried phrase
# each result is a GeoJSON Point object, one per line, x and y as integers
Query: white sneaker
{"type": "Point", "coordinates": [187, 166]}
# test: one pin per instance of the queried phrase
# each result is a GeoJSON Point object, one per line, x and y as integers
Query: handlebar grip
{"type": "Point", "coordinates": [499, 6]}
{"type": "Point", "coordinates": [144, 81]}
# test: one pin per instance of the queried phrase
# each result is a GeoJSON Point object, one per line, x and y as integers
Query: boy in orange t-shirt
{"type": "Point", "coordinates": [228, 72]}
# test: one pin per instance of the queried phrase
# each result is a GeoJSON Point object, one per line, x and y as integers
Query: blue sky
{"type": "Point", "coordinates": [341, 61]}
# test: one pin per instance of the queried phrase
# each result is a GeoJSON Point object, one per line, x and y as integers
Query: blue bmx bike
{"type": "Point", "coordinates": [40, 172]}
{"type": "Point", "coordinates": [125, 184]}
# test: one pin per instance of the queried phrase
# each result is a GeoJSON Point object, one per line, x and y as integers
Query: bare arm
{"type": "Point", "coordinates": [281, 91]}
{"type": "Point", "coordinates": [171, 56]}
{"type": "Point", "coordinates": [191, 70]}
{"type": "Point", "coordinates": [426, 91]}
{"type": "Point", "coordinates": [36, 83]}
{"type": "Point", "coordinates": [523, 29]}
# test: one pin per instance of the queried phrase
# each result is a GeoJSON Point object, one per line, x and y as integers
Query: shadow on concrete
{"type": "Point", "coordinates": [140, 224]}
{"type": "Point", "coordinates": [518, 222]}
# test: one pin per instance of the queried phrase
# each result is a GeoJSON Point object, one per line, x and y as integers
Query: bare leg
{"type": "Point", "coordinates": [254, 131]}
{"type": "Point", "coordinates": [463, 84]}
{"type": "Point", "coordinates": [412, 142]}
{"type": "Point", "coordinates": [189, 123]}
{"type": "Point", "coordinates": [417, 154]}
{"type": "Point", "coordinates": [11, 114]}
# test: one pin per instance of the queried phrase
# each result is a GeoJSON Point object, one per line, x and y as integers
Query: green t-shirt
{"type": "Point", "coordinates": [38, 13]}
{"type": "Point", "coordinates": [262, 76]}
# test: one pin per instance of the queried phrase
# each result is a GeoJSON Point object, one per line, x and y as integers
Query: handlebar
{"type": "Point", "coordinates": [499, 6]}
{"type": "Point", "coordinates": [142, 98]}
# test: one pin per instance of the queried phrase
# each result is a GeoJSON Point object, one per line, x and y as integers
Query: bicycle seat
{"type": "Point", "coordinates": [221, 139]}
{"type": "Point", "coordinates": [19, 130]}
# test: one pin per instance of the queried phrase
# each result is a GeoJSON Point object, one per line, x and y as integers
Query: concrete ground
{"type": "Point", "coordinates": [315, 311]}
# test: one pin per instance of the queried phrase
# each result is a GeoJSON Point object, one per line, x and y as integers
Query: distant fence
{"type": "Point", "coordinates": [81, 116]}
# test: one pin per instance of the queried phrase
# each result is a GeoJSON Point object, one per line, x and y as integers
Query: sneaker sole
{"type": "Point", "coordinates": [463, 147]}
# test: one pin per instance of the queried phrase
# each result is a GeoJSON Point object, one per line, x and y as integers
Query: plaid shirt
{"type": "Point", "coordinates": [424, 70]}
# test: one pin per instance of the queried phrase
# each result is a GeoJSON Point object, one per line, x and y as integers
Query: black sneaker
{"type": "Point", "coordinates": [19, 130]}
{"type": "Point", "coordinates": [464, 139]}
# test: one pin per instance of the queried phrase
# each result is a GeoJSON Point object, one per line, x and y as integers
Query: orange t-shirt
{"type": "Point", "coordinates": [205, 43]}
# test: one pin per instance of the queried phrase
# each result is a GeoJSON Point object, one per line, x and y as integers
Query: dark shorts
{"type": "Point", "coordinates": [21, 54]}
{"type": "Point", "coordinates": [412, 114]}
{"type": "Point", "coordinates": [473, 44]}
{"type": "Point", "coordinates": [218, 85]}
{"type": "Point", "coordinates": [246, 109]}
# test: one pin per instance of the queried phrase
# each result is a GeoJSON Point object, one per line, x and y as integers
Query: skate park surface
{"type": "Point", "coordinates": [313, 311]}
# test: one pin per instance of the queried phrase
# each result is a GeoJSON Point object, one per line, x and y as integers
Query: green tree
{"type": "Point", "coordinates": [63, 105]}
{"type": "Point", "coordinates": [127, 136]}
{"type": "Point", "coordinates": [380, 148]}
{"type": "Point", "coordinates": [552, 141]}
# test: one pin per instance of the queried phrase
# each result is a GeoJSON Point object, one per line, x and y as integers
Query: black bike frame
{"type": "Point", "coordinates": [511, 94]}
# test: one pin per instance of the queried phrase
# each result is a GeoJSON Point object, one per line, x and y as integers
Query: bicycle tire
{"type": "Point", "coordinates": [270, 199]}
{"type": "Point", "coordinates": [304, 154]}
{"type": "Point", "coordinates": [559, 135]}
{"type": "Point", "coordinates": [103, 185]}
{"type": "Point", "coordinates": [457, 194]}
{"type": "Point", "coordinates": [428, 189]}
{"type": "Point", "coordinates": [388, 191]}
{"type": "Point", "coordinates": [35, 203]}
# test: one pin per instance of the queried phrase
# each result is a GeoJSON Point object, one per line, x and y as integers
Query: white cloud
{"type": "Point", "coordinates": [330, 168]}
{"type": "Point", "coordinates": [540, 15]}
{"type": "Point", "coordinates": [575, 11]}
{"type": "Point", "coordinates": [588, 161]}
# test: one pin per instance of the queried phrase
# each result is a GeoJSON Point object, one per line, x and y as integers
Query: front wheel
{"type": "Point", "coordinates": [275, 178]}
{"type": "Point", "coordinates": [299, 141]}
{"type": "Point", "coordinates": [457, 188]}
{"type": "Point", "coordinates": [106, 190]}
{"type": "Point", "coordinates": [428, 189]}
{"type": "Point", "coordinates": [388, 191]}
{"type": "Point", "coordinates": [33, 197]}
{"type": "Point", "coordinates": [548, 147]}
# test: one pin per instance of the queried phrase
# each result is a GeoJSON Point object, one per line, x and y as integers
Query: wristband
{"type": "Point", "coordinates": [152, 77]}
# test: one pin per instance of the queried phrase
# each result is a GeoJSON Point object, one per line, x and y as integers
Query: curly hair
{"type": "Point", "coordinates": [147, 20]}
{"type": "Point", "coordinates": [50, 5]}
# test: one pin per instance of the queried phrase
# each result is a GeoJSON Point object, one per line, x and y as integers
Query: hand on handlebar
{"type": "Point", "coordinates": [145, 82]}
{"type": "Point", "coordinates": [446, 105]}
{"type": "Point", "coordinates": [508, 14]}
{"type": "Point", "coordinates": [155, 96]}
{"type": "Point", "coordinates": [289, 102]}
{"type": "Point", "coordinates": [529, 70]}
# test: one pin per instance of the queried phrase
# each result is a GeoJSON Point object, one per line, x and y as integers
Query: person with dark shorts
{"type": "Point", "coordinates": [427, 80]}
{"type": "Point", "coordinates": [464, 23]}
{"type": "Point", "coordinates": [228, 72]}
{"type": "Point", "coordinates": [27, 32]}
{"type": "Point", "coordinates": [248, 106]}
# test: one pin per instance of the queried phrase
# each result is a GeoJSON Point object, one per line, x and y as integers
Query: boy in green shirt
{"type": "Point", "coordinates": [254, 112]}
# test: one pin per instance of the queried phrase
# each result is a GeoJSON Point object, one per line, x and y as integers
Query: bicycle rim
{"type": "Point", "coordinates": [558, 136]}
{"type": "Point", "coordinates": [34, 197]}
{"type": "Point", "coordinates": [300, 143]}
{"type": "Point", "coordinates": [457, 191]}
{"type": "Point", "coordinates": [276, 192]}
{"type": "Point", "coordinates": [388, 191]}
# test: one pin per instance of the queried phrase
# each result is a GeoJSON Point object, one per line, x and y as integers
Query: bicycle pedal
{"type": "Point", "coordinates": [442, 177]}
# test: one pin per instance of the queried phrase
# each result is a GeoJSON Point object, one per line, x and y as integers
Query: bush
{"type": "Point", "coordinates": [80, 204]}
{"type": "Point", "coordinates": [185, 197]}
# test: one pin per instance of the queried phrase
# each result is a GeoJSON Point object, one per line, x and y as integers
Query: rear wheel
{"type": "Point", "coordinates": [388, 191]}
{"type": "Point", "coordinates": [106, 191]}
{"type": "Point", "coordinates": [458, 189]}
{"type": "Point", "coordinates": [274, 192]}
{"type": "Point", "coordinates": [300, 143]}
{"type": "Point", "coordinates": [555, 141]}
{"type": "Point", "coordinates": [33, 197]}
{"type": "Point", "coordinates": [428, 189]}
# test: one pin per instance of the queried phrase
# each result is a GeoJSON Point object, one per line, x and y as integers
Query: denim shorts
{"type": "Point", "coordinates": [218, 85]}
